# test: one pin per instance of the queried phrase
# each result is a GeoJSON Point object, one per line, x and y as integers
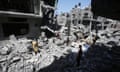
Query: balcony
{"type": "Point", "coordinates": [19, 14]}
{"type": "Point", "coordinates": [18, 8]}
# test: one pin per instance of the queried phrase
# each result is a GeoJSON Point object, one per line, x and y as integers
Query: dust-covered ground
{"type": "Point", "coordinates": [54, 55]}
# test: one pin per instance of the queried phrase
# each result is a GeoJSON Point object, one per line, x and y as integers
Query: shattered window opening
{"type": "Point", "coordinates": [15, 28]}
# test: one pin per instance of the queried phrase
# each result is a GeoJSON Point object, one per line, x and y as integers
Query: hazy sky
{"type": "Point", "coordinates": [67, 5]}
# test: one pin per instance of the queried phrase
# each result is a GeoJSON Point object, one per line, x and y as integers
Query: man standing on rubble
{"type": "Point", "coordinates": [84, 46]}
{"type": "Point", "coordinates": [79, 56]}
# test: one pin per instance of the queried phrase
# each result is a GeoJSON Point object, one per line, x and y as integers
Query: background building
{"type": "Point", "coordinates": [84, 19]}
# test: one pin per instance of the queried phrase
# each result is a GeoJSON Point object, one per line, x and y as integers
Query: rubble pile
{"type": "Point", "coordinates": [99, 56]}
{"type": "Point", "coordinates": [109, 37]}
{"type": "Point", "coordinates": [55, 55]}
{"type": "Point", "coordinates": [17, 54]}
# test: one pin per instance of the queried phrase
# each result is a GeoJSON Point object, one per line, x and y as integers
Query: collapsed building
{"type": "Point", "coordinates": [105, 27]}
{"type": "Point", "coordinates": [109, 9]}
{"type": "Point", "coordinates": [54, 54]}
{"type": "Point", "coordinates": [83, 18]}
{"type": "Point", "coordinates": [24, 18]}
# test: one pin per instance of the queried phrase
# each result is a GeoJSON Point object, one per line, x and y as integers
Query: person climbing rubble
{"type": "Point", "coordinates": [43, 37]}
{"type": "Point", "coordinates": [35, 46]}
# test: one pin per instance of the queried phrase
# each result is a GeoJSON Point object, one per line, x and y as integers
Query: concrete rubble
{"type": "Point", "coordinates": [58, 54]}
{"type": "Point", "coordinates": [16, 54]}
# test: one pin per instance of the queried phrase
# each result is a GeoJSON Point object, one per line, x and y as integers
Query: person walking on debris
{"type": "Point", "coordinates": [79, 56]}
{"type": "Point", "coordinates": [84, 46]}
{"type": "Point", "coordinates": [58, 35]}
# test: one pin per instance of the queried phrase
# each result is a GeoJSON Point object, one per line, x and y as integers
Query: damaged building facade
{"type": "Point", "coordinates": [84, 19]}
{"type": "Point", "coordinates": [56, 54]}
{"type": "Point", "coordinates": [24, 18]}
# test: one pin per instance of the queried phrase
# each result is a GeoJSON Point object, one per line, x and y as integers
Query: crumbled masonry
{"type": "Point", "coordinates": [100, 43]}
{"type": "Point", "coordinates": [16, 54]}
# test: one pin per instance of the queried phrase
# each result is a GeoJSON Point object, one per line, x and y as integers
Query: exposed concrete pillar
{"type": "Point", "coordinates": [37, 6]}
{"type": "Point", "coordinates": [69, 28]}
{"type": "Point", "coordinates": [1, 31]}
{"type": "Point", "coordinates": [103, 24]}
{"type": "Point", "coordinates": [91, 18]}
{"type": "Point", "coordinates": [81, 20]}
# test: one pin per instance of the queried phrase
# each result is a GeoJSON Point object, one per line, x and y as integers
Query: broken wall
{"type": "Point", "coordinates": [24, 18]}
{"type": "Point", "coordinates": [28, 27]}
